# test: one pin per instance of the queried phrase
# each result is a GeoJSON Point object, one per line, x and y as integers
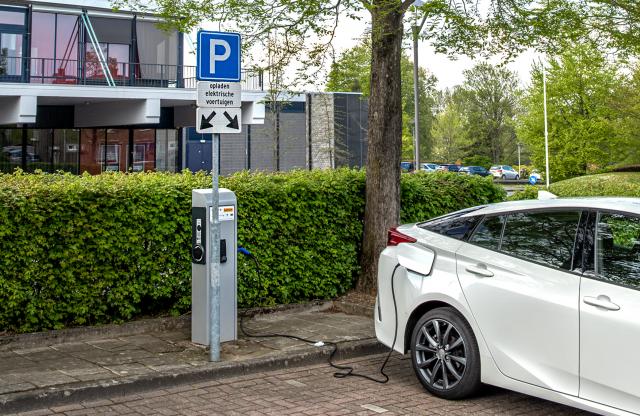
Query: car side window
{"type": "Point", "coordinates": [488, 233]}
{"type": "Point", "coordinates": [618, 249]}
{"type": "Point", "coordinates": [542, 237]}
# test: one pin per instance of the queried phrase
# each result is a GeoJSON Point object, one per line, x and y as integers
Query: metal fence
{"type": "Point", "coordinates": [90, 72]}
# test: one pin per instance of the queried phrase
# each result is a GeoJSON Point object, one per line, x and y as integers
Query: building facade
{"type": "Point", "coordinates": [85, 89]}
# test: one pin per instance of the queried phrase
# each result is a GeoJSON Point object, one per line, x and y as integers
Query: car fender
{"type": "Point", "coordinates": [454, 298]}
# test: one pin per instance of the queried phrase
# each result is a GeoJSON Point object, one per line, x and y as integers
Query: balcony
{"type": "Point", "coordinates": [89, 72]}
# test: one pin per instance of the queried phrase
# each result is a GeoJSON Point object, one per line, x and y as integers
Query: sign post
{"type": "Point", "coordinates": [219, 111]}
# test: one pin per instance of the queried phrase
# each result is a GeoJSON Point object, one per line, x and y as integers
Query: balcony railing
{"type": "Point", "coordinates": [89, 72]}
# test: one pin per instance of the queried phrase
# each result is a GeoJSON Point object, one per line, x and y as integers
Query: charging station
{"type": "Point", "coordinates": [201, 220]}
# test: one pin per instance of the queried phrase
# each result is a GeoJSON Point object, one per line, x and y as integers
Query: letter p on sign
{"type": "Point", "coordinates": [218, 56]}
{"type": "Point", "coordinates": [226, 48]}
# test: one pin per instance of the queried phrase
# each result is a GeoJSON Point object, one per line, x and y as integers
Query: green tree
{"type": "Point", "coordinates": [615, 23]}
{"type": "Point", "coordinates": [448, 130]}
{"type": "Point", "coordinates": [585, 129]}
{"type": "Point", "coordinates": [451, 26]}
{"type": "Point", "coordinates": [627, 104]}
{"type": "Point", "coordinates": [351, 73]}
{"type": "Point", "coordinates": [488, 100]}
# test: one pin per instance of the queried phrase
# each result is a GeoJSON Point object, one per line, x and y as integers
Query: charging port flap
{"type": "Point", "coordinates": [416, 258]}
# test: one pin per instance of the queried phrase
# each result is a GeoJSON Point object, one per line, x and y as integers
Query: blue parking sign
{"type": "Point", "coordinates": [218, 56]}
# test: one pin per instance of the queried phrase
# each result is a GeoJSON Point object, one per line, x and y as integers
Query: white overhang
{"type": "Point", "coordinates": [98, 106]}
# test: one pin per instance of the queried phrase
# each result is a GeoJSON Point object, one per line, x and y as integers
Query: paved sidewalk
{"type": "Point", "coordinates": [85, 369]}
{"type": "Point", "coordinates": [312, 390]}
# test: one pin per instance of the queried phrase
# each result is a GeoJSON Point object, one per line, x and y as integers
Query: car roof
{"type": "Point", "coordinates": [631, 205]}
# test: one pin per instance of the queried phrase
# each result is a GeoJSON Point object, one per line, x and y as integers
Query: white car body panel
{"type": "Point", "coordinates": [588, 355]}
{"type": "Point", "coordinates": [609, 342]}
{"type": "Point", "coordinates": [525, 295]}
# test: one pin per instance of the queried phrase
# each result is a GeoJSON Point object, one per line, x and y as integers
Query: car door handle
{"type": "Point", "coordinates": [601, 302]}
{"type": "Point", "coordinates": [480, 271]}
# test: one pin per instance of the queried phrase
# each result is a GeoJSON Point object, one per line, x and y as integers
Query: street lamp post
{"type": "Point", "coordinates": [519, 166]}
{"type": "Point", "coordinates": [415, 29]}
{"type": "Point", "coordinates": [546, 130]}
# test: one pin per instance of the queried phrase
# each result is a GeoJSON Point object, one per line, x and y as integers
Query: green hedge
{"type": "Point", "coordinates": [605, 184]}
{"type": "Point", "coordinates": [84, 250]}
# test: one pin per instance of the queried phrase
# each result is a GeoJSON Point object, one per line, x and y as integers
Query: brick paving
{"type": "Point", "coordinates": [311, 390]}
{"type": "Point", "coordinates": [108, 360]}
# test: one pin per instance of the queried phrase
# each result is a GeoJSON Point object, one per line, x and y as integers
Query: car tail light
{"type": "Point", "coordinates": [395, 237]}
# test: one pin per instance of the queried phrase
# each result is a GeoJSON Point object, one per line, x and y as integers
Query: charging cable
{"type": "Point", "coordinates": [345, 371]}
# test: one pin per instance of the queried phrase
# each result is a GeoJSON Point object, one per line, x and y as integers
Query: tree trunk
{"type": "Point", "coordinates": [382, 210]}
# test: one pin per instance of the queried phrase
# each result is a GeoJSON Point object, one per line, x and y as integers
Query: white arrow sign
{"type": "Point", "coordinates": [218, 120]}
{"type": "Point", "coordinates": [219, 94]}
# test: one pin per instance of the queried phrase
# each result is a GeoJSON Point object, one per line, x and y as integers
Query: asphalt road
{"type": "Point", "coordinates": [312, 390]}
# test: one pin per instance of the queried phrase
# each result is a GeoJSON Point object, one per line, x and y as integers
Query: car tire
{"type": "Point", "coordinates": [517, 177]}
{"type": "Point", "coordinates": [443, 344]}
{"type": "Point", "coordinates": [503, 177]}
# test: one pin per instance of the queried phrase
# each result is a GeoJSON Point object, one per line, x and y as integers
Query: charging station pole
{"type": "Point", "coordinates": [219, 103]}
{"type": "Point", "coordinates": [214, 257]}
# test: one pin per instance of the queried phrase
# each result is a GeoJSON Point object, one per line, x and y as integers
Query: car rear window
{"type": "Point", "coordinates": [457, 225]}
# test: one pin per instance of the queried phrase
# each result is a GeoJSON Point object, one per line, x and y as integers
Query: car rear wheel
{"type": "Point", "coordinates": [504, 177]}
{"type": "Point", "coordinates": [445, 356]}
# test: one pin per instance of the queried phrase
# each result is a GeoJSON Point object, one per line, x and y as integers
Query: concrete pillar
{"type": "Point", "coordinates": [18, 110]}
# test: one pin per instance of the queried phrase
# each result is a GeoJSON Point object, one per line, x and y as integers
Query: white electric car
{"type": "Point", "coordinates": [539, 297]}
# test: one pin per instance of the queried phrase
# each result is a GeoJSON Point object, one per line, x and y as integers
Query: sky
{"type": "Point", "coordinates": [448, 72]}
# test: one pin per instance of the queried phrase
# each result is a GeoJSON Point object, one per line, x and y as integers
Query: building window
{"type": "Point", "coordinates": [10, 149]}
{"type": "Point", "coordinates": [144, 150]}
{"type": "Point", "coordinates": [54, 48]}
{"type": "Point", "coordinates": [157, 53]}
{"type": "Point", "coordinates": [92, 150]}
{"type": "Point", "coordinates": [167, 150]}
{"type": "Point", "coordinates": [12, 30]}
{"type": "Point", "coordinates": [11, 17]}
{"type": "Point", "coordinates": [48, 150]}
{"type": "Point", "coordinates": [10, 54]}
{"type": "Point", "coordinates": [66, 150]}
{"type": "Point", "coordinates": [117, 56]}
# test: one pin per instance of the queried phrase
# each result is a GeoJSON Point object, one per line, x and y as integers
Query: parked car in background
{"type": "Point", "coordinates": [540, 296]}
{"type": "Point", "coordinates": [428, 167]}
{"type": "Point", "coordinates": [449, 167]}
{"type": "Point", "coordinates": [407, 166]}
{"type": "Point", "coordinates": [14, 153]}
{"type": "Point", "coordinates": [536, 174]}
{"type": "Point", "coordinates": [504, 172]}
{"type": "Point", "coordinates": [475, 170]}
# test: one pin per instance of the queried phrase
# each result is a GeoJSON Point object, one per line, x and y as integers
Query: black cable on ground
{"type": "Point", "coordinates": [347, 371]}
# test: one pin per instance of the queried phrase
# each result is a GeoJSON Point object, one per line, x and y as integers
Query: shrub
{"type": "Point", "coordinates": [84, 250]}
{"type": "Point", "coordinates": [529, 192]}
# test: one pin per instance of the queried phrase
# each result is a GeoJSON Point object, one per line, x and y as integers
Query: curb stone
{"type": "Point", "coordinates": [60, 395]}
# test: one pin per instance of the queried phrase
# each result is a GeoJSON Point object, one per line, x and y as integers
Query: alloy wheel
{"type": "Point", "coordinates": [440, 354]}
